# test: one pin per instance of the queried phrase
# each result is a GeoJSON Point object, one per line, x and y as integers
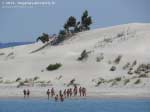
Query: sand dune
{"type": "Point", "coordinates": [117, 63]}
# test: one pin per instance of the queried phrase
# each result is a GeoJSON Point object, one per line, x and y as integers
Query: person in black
{"type": "Point", "coordinates": [60, 93]}
{"type": "Point", "coordinates": [25, 93]}
{"type": "Point", "coordinates": [80, 91]}
{"type": "Point", "coordinates": [68, 93]}
{"type": "Point", "coordinates": [48, 93]}
{"type": "Point", "coordinates": [83, 91]}
{"type": "Point", "coordinates": [28, 93]}
{"type": "Point", "coordinates": [62, 98]}
{"type": "Point", "coordinates": [75, 91]}
{"type": "Point", "coordinates": [65, 92]}
{"type": "Point", "coordinates": [52, 92]}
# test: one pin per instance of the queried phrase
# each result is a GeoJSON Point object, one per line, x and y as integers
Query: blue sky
{"type": "Point", "coordinates": [17, 24]}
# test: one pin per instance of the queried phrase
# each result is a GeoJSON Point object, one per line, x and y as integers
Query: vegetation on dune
{"type": "Point", "coordinates": [113, 68]}
{"type": "Point", "coordinates": [137, 81]}
{"type": "Point", "coordinates": [126, 81]}
{"type": "Point", "coordinates": [84, 55]}
{"type": "Point", "coordinates": [52, 67]}
{"type": "Point", "coordinates": [44, 38]}
{"type": "Point", "coordinates": [18, 79]}
{"type": "Point", "coordinates": [117, 60]}
{"type": "Point", "coordinates": [70, 27]}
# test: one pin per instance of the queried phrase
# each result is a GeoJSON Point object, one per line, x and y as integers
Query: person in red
{"type": "Point", "coordinates": [48, 93]}
{"type": "Point", "coordinates": [52, 92]}
{"type": "Point", "coordinates": [80, 90]}
{"type": "Point", "coordinates": [28, 93]}
{"type": "Point", "coordinates": [25, 93]}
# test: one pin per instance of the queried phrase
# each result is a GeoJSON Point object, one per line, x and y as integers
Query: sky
{"type": "Point", "coordinates": [26, 24]}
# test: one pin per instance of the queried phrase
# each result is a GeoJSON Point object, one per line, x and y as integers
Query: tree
{"type": "Point", "coordinates": [77, 27]}
{"type": "Point", "coordinates": [44, 38]}
{"type": "Point", "coordinates": [61, 35]}
{"type": "Point", "coordinates": [86, 21]}
{"type": "Point", "coordinates": [66, 27]}
{"type": "Point", "coordinates": [71, 21]}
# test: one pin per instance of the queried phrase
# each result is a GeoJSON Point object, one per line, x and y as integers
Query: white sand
{"type": "Point", "coordinates": [133, 44]}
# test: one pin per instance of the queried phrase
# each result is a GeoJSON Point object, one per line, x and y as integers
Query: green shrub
{"type": "Point", "coordinates": [126, 81]}
{"type": "Point", "coordinates": [113, 68]}
{"type": "Point", "coordinates": [72, 82]}
{"type": "Point", "coordinates": [137, 81]}
{"type": "Point", "coordinates": [20, 84]}
{"type": "Point", "coordinates": [52, 67]}
{"type": "Point", "coordinates": [118, 79]}
{"type": "Point", "coordinates": [83, 55]}
{"type": "Point", "coordinates": [117, 60]}
{"type": "Point", "coordinates": [114, 83]}
{"type": "Point", "coordinates": [36, 78]}
{"type": "Point", "coordinates": [18, 79]}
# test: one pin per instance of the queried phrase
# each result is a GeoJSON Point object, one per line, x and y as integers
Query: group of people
{"type": "Point", "coordinates": [66, 93]}
{"type": "Point", "coordinates": [26, 93]}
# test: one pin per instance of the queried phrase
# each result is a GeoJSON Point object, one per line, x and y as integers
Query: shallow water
{"type": "Point", "coordinates": [84, 105]}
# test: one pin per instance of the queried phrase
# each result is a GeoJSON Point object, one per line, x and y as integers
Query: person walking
{"type": "Point", "coordinates": [80, 91]}
{"type": "Point", "coordinates": [48, 93]}
{"type": "Point", "coordinates": [56, 97]}
{"type": "Point", "coordinates": [25, 93]}
{"type": "Point", "coordinates": [52, 92]}
{"type": "Point", "coordinates": [65, 92]}
{"type": "Point", "coordinates": [28, 93]}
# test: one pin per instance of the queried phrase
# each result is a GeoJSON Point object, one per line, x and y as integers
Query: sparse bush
{"type": "Point", "coordinates": [118, 79]}
{"type": "Point", "coordinates": [126, 81]}
{"type": "Point", "coordinates": [20, 84]}
{"type": "Point", "coordinates": [143, 76]}
{"type": "Point", "coordinates": [126, 65]}
{"type": "Point", "coordinates": [130, 72]}
{"type": "Point", "coordinates": [58, 78]}
{"type": "Point", "coordinates": [83, 55]}
{"type": "Point", "coordinates": [18, 79]}
{"type": "Point", "coordinates": [121, 34]}
{"type": "Point", "coordinates": [100, 58]}
{"type": "Point", "coordinates": [1, 81]}
{"type": "Point", "coordinates": [117, 60]}
{"type": "Point", "coordinates": [52, 67]}
{"type": "Point", "coordinates": [134, 63]}
{"type": "Point", "coordinates": [111, 80]}
{"type": "Point", "coordinates": [113, 68]}
{"type": "Point", "coordinates": [137, 81]}
{"type": "Point", "coordinates": [114, 83]}
{"type": "Point", "coordinates": [72, 82]}
{"type": "Point", "coordinates": [100, 81]}
{"type": "Point", "coordinates": [107, 40]}
{"type": "Point", "coordinates": [36, 78]}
